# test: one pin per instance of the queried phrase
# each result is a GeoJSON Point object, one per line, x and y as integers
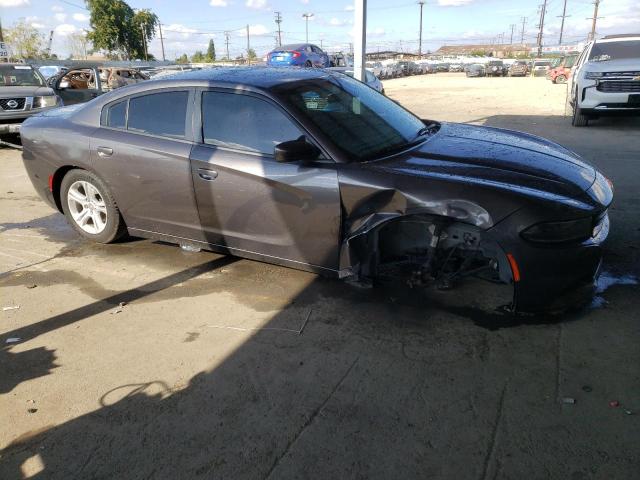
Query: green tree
{"type": "Point", "coordinates": [182, 59]}
{"type": "Point", "coordinates": [198, 57]}
{"type": "Point", "coordinates": [251, 53]}
{"type": "Point", "coordinates": [24, 40]}
{"type": "Point", "coordinates": [211, 51]}
{"type": "Point", "coordinates": [118, 29]}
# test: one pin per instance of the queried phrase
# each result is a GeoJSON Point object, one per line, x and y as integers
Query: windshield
{"type": "Point", "coordinates": [615, 50]}
{"type": "Point", "coordinates": [361, 122]}
{"type": "Point", "coordinates": [20, 76]}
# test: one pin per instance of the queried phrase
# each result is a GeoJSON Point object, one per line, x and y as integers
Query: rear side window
{"type": "Point", "coordinates": [162, 114]}
{"type": "Point", "coordinates": [243, 122]}
{"type": "Point", "coordinates": [117, 115]}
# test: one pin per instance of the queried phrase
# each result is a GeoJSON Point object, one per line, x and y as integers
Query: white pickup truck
{"type": "Point", "coordinates": [606, 79]}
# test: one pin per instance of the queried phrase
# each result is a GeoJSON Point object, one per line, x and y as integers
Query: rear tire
{"type": "Point", "coordinates": [560, 79]}
{"type": "Point", "coordinates": [307, 64]}
{"type": "Point", "coordinates": [90, 207]}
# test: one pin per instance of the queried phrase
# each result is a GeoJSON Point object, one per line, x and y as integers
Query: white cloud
{"type": "Point", "coordinates": [57, 8]}
{"type": "Point", "coordinates": [80, 17]}
{"type": "Point", "coordinates": [257, 30]}
{"type": "Point", "coordinates": [178, 31]}
{"type": "Point", "coordinates": [349, 8]}
{"type": "Point", "coordinates": [61, 17]}
{"type": "Point", "coordinates": [336, 22]}
{"type": "Point", "coordinates": [65, 29]}
{"type": "Point", "coordinates": [257, 4]}
{"type": "Point", "coordinates": [14, 3]}
{"type": "Point", "coordinates": [453, 3]}
{"type": "Point", "coordinates": [37, 25]}
{"type": "Point", "coordinates": [218, 3]}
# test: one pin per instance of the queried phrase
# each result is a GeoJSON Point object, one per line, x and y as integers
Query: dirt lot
{"type": "Point", "coordinates": [226, 368]}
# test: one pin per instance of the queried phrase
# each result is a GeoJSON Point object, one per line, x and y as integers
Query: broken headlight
{"type": "Point", "coordinates": [560, 232]}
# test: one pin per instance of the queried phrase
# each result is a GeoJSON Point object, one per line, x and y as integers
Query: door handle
{"type": "Point", "coordinates": [104, 151]}
{"type": "Point", "coordinates": [208, 175]}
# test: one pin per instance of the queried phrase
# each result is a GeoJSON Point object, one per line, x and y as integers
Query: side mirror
{"type": "Point", "coordinates": [294, 150]}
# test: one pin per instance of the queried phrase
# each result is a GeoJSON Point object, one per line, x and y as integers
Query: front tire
{"type": "Point", "coordinates": [560, 79]}
{"type": "Point", "coordinates": [90, 207]}
{"type": "Point", "coordinates": [579, 119]}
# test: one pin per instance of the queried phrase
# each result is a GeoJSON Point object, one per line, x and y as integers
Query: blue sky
{"type": "Point", "coordinates": [189, 24]}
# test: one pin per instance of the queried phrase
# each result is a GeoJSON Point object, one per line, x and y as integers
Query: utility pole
{"type": "Point", "coordinates": [278, 22]}
{"type": "Point", "coordinates": [595, 17]}
{"type": "Point", "coordinates": [543, 11]}
{"type": "Point", "coordinates": [563, 16]}
{"type": "Point", "coordinates": [161, 41]}
{"type": "Point", "coordinates": [513, 26]}
{"type": "Point", "coordinates": [307, 16]}
{"type": "Point", "coordinates": [248, 47]}
{"type": "Point", "coordinates": [144, 41]}
{"type": "Point", "coordinates": [421, 3]}
{"type": "Point", "coordinates": [1, 38]}
{"type": "Point", "coordinates": [359, 39]}
{"type": "Point", "coordinates": [524, 22]}
{"type": "Point", "coordinates": [226, 41]}
{"type": "Point", "coordinates": [49, 44]}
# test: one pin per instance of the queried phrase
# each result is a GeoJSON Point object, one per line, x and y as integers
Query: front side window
{"type": "Point", "coordinates": [162, 114]}
{"type": "Point", "coordinates": [360, 121]}
{"type": "Point", "coordinates": [243, 122]}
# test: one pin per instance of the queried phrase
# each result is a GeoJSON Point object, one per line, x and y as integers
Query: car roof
{"type": "Point", "coordinates": [617, 38]}
{"type": "Point", "coordinates": [292, 46]}
{"type": "Point", "coordinates": [257, 77]}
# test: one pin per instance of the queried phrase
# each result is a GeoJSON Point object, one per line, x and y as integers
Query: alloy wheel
{"type": "Point", "coordinates": [87, 207]}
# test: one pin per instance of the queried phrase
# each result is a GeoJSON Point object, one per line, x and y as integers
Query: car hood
{"type": "Point", "coordinates": [25, 91]}
{"type": "Point", "coordinates": [627, 64]}
{"type": "Point", "coordinates": [495, 158]}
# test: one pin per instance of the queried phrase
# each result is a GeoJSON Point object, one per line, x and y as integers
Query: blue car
{"type": "Point", "coordinates": [300, 55]}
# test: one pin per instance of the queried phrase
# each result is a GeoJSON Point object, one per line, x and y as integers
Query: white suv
{"type": "Point", "coordinates": [606, 79]}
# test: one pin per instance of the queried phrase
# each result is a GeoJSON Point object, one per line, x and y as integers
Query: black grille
{"type": "Point", "coordinates": [4, 103]}
{"type": "Point", "coordinates": [621, 74]}
{"type": "Point", "coordinates": [622, 86]}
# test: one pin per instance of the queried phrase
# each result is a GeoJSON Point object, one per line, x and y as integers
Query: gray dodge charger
{"type": "Point", "coordinates": [314, 170]}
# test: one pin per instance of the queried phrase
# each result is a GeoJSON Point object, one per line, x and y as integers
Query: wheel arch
{"type": "Point", "coordinates": [56, 183]}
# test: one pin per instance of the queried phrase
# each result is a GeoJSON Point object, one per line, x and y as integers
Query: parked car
{"type": "Point", "coordinates": [116, 77]}
{"type": "Point", "coordinates": [442, 67]}
{"type": "Point", "coordinates": [519, 69]}
{"type": "Point", "coordinates": [375, 68]}
{"type": "Point", "coordinates": [299, 54]}
{"type": "Point", "coordinates": [562, 71]}
{"type": "Point", "coordinates": [495, 68]}
{"type": "Point", "coordinates": [23, 92]}
{"type": "Point", "coordinates": [77, 85]}
{"type": "Point", "coordinates": [540, 68]}
{"type": "Point", "coordinates": [606, 79]}
{"type": "Point", "coordinates": [425, 67]}
{"type": "Point", "coordinates": [371, 80]}
{"type": "Point", "coordinates": [407, 68]}
{"type": "Point", "coordinates": [456, 67]}
{"type": "Point", "coordinates": [314, 170]}
{"type": "Point", "coordinates": [388, 71]}
{"type": "Point", "coordinates": [475, 70]}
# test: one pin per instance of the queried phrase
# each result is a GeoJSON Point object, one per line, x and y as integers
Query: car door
{"type": "Point", "coordinates": [142, 151]}
{"type": "Point", "coordinates": [250, 202]}
{"type": "Point", "coordinates": [72, 88]}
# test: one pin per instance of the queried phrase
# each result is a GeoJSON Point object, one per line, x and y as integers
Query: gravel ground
{"type": "Point", "coordinates": [226, 368]}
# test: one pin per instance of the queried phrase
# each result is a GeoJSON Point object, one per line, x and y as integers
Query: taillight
{"type": "Point", "coordinates": [295, 54]}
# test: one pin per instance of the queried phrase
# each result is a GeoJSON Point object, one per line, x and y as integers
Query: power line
{"type": "Point", "coordinates": [513, 26]}
{"type": "Point", "coordinates": [595, 17]}
{"type": "Point", "coordinates": [524, 22]}
{"type": "Point", "coordinates": [421, 3]}
{"type": "Point", "coordinates": [543, 11]}
{"type": "Point", "coordinates": [563, 16]}
{"type": "Point", "coordinates": [278, 22]}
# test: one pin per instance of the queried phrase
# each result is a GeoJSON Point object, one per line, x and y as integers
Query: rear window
{"type": "Point", "coordinates": [615, 50]}
{"type": "Point", "coordinates": [117, 115]}
{"type": "Point", "coordinates": [161, 114]}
